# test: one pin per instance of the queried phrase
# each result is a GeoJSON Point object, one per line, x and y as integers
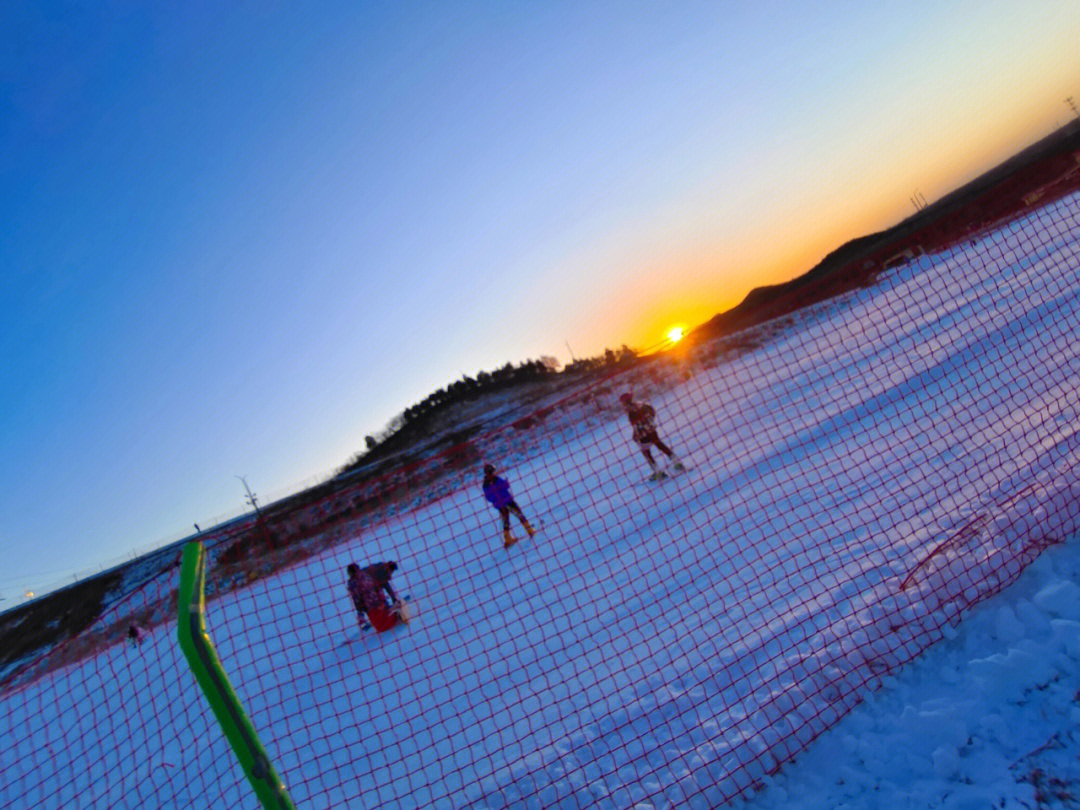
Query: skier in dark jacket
{"type": "Point", "coordinates": [497, 491]}
{"type": "Point", "coordinates": [136, 635]}
{"type": "Point", "coordinates": [366, 587]}
{"type": "Point", "coordinates": [642, 417]}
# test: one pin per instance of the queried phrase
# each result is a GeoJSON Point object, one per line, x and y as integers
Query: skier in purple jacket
{"type": "Point", "coordinates": [497, 491]}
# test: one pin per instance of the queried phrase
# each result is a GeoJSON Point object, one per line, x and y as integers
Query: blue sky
{"type": "Point", "coordinates": [237, 238]}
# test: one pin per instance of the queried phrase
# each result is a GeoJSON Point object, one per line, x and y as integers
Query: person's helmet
{"type": "Point", "coordinates": [625, 399]}
{"type": "Point", "coordinates": [391, 566]}
{"type": "Point", "coordinates": [352, 568]}
{"type": "Point", "coordinates": [489, 469]}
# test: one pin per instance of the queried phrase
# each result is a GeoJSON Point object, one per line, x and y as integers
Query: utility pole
{"type": "Point", "coordinates": [252, 501]}
{"type": "Point", "coordinates": [572, 358]}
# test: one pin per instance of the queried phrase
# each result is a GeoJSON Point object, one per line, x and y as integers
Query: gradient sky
{"type": "Point", "coordinates": [235, 238]}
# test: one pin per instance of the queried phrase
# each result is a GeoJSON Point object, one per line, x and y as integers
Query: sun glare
{"type": "Point", "coordinates": [675, 334]}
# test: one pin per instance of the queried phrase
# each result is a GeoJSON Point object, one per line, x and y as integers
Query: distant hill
{"type": "Point", "coordinates": [1046, 170]}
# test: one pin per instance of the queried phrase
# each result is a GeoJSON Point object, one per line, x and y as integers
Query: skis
{"type": "Point", "coordinates": [512, 540]}
{"type": "Point", "coordinates": [673, 471]}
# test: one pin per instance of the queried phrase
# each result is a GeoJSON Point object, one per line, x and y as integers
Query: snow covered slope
{"type": "Point", "coordinates": [888, 460]}
{"type": "Point", "coordinates": [988, 718]}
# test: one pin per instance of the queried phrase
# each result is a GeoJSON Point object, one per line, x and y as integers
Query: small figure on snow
{"type": "Point", "coordinates": [497, 491]}
{"type": "Point", "coordinates": [366, 587]}
{"type": "Point", "coordinates": [136, 635]}
{"type": "Point", "coordinates": [642, 417]}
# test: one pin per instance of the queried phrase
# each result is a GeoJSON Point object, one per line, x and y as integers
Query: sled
{"type": "Point", "coordinates": [406, 611]}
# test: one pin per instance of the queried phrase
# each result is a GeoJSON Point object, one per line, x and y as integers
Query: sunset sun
{"type": "Point", "coordinates": [675, 334]}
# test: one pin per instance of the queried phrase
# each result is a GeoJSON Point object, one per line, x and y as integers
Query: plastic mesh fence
{"type": "Point", "coordinates": [859, 473]}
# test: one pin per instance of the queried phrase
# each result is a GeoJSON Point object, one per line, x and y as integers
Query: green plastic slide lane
{"type": "Point", "coordinates": [204, 662]}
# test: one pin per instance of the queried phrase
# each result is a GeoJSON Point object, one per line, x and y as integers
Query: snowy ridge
{"type": "Point", "coordinates": [886, 462]}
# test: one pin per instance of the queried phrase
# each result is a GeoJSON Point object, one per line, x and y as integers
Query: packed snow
{"type": "Point", "coordinates": [863, 592]}
{"type": "Point", "coordinates": [989, 718]}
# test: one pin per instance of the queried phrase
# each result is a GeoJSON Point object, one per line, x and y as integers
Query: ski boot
{"type": "Point", "coordinates": [508, 538]}
{"type": "Point", "coordinates": [529, 528]}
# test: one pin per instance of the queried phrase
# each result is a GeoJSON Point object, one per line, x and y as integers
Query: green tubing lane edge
{"type": "Point", "coordinates": [205, 664]}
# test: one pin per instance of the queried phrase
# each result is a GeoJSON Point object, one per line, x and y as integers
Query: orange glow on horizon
{"type": "Point", "coordinates": [695, 262]}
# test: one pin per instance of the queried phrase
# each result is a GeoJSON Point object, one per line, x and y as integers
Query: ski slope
{"type": "Point", "coordinates": [884, 463]}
